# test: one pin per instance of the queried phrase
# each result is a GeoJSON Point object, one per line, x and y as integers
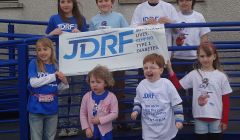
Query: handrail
{"type": "Point", "coordinates": [23, 22]}
{"type": "Point", "coordinates": [208, 24]}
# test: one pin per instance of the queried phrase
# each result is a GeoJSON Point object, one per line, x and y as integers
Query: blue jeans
{"type": "Point", "coordinates": [202, 127]}
{"type": "Point", "coordinates": [43, 127]}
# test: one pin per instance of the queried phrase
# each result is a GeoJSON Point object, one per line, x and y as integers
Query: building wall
{"type": "Point", "coordinates": [41, 10]}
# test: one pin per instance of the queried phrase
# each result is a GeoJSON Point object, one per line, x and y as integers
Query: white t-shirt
{"type": "Point", "coordinates": [192, 35]}
{"type": "Point", "coordinates": [213, 83]}
{"type": "Point", "coordinates": [145, 11]}
{"type": "Point", "coordinates": [157, 99]}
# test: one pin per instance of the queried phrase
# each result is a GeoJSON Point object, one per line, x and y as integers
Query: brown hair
{"type": "Point", "coordinates": [111, 1]}
{"type": "Point", "coordinates": [209, 49]}
{"type": "Point", "coordinates": [193, 3]}
{"type": "Point", "coordinates": [158, 59]}
{"type": "Point", "coordinates": [46, 42]}
{"type": "Point", "coordinates": [75, 11]}
{"type": "Point", "coordinates": [103, 73]}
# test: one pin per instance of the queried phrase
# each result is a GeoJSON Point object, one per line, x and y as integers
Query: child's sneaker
{"type": "Point", "coordinates": [72, 131]}
{"type": "Point", "coordinates": [62, 133]}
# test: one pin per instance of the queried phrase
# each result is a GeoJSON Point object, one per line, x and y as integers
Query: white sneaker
{"type": "Point", "coordinates": [72, 131]}
{"type": "Point", "coordinates": [62, 133]}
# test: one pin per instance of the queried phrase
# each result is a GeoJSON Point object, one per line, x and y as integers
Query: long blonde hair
{"type": "Point", "coordinates": [46, 42]}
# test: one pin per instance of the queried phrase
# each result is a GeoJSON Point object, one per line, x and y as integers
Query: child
{"type": "Point", "coordinates": [68, 19]}
{"type": "Point", "coordinates": [158, 102]}
{"type": "Point", "coordinates": [155, 12]}
{"type": "Point", "coordinates": [211, 90]}
{"type": "Point", "coordinates": [44, 83]}
{"type": "Point", "coordinates": [99, 106]}
{"type": "Point", "coordinates": [188, 37]}
{"type": "Point", "coordinates": [107, 18]}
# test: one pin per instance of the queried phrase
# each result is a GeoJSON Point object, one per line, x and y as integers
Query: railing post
{"type": "Point", "coordinates": [11, 50]}
{"type": "Point", "coordinates": [22, 90]}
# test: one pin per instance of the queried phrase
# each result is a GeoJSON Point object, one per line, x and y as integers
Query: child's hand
{"type": "Point", "coordinates": [56, 31]}
{"type": "Point", "coordinates": [134, 115]}
{"type": "Point", "coordinates": [164, 20]}
{"type": "Point", "coordinates": [223, 126]}
{"type": "Point", "coordinates": [179, 125]}
{"type": "Point", "coordinates": [89, 133]}
{"type": "Point", "coordinates": [75, 30]}
{"type": "Point", "coordinates": [169, 67]}
{"type": "Point", "coordinates": [61, 77]}
{"type": "Point", "coordinates": [95, 120]}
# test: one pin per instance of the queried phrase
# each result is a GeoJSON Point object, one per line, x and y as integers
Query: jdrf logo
{"type": "Point", "coordinates": [97, 48]}
{"type": "Point", "coordinates": [148, 95]}
{"type": "Point", "coordinates": [66, 26]}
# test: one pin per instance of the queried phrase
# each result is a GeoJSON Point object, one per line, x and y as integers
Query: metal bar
{"type": "Point", "coordinates": [22, 90]}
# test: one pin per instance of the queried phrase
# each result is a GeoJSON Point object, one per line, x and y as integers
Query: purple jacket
{"type": "Point", "coordinates": [107, 112]}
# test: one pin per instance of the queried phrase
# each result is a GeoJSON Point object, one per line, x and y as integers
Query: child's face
{"type": "Point", "coordinates": [206, 61]}
{"type": "Point", "coordinates": [185, 5]}
{"type": "Point", "coordinates": [44, 53]}
{"type": "Point", "coordinates": [152, 71]}
{"type": "Point", "coordinates": [105, 6]}
{"type": "Point", "coordinates": [97, 85]}
{"type": "Point", "coordinates": [66, 6]}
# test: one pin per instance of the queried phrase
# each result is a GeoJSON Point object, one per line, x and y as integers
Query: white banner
{"type": "Point", "coordinates": [116, 48]}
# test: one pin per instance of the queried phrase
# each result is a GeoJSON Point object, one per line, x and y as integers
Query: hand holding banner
{"type": "Point", "coordinates": [116, 48]}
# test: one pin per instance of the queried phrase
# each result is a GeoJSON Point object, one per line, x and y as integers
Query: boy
{"type": "Point", "coordinates": [155, 12]}
{"type": "Point", "coordinates": [158, 102]}
{"type": "Point", "coordinates": [107, 18]}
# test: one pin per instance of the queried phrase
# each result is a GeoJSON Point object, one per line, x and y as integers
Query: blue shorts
{"type": "Point", "coordinates": [203, 127]}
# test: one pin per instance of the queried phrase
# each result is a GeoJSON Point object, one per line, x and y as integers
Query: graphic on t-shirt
{"type": "Point", "coordinates": [95, 108]}
{"type": "Point", "coordinates": [181, 36]}
{"type": "Point", "coordinates": [67, 26]}
{"type": "Point", "coordinates": [154, 111]}
{"type": "Point", "coordinates": [147, 18]}
{"type": "Point", "coordinates": [44, 74]}
{"type": "Point", "coordinates": [204, 93]}
{"type": "Point", "coordinates": [104, 23]}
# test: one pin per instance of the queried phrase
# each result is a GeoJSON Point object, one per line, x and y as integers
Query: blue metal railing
{"type": "Point", "coordinates": [22, 59]}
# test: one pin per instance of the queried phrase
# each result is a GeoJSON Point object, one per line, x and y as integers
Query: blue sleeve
{"type": "Point", "coordinates": [51, 25]}
{"type": "Point", "coordinates": [84, 26]}
{"type": "Point", "coordinates": [124, 22]}
{"type": "Point", "coordinates": [32, 69]}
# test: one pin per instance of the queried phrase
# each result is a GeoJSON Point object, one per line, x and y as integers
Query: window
{"type": "Point", "coordinates": [10, 4]}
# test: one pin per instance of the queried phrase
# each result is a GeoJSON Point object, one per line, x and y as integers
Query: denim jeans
{"type": "Point", "coordinates": [43, 127]}
{"type": "Point", "coordinates": [202, 127]}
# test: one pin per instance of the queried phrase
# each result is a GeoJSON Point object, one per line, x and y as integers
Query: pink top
{"type": "Point", "coordinates": [107, 112]}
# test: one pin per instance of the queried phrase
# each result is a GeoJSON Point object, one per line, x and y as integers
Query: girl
{"type": "Point", "coordinates": [211, 90]}
{"type": "Point", "coordinates": [105, 19]}
{"type": "Point", "coordinates": [99, 107]}
{"type": "Point", "coordinates": [68, 19]}
{"type": "Point", "coordinates": [188, 37]}
{"type": "Point", "coordinates": [44, 82]}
